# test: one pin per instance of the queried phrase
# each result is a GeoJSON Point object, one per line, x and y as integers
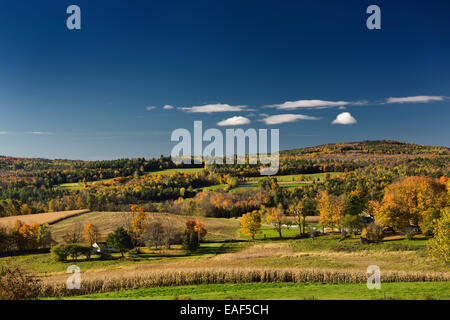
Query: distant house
{"type": "Point", "coordinates": [100, 247]}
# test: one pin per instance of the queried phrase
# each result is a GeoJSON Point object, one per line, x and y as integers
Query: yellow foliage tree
{"type": "Point", "coordinates": [251, 223]}
{"type": "Point", "coordinates": [409, 201]}
{"type": "Point", "coordinates": [439, 246]}
{"type": "Point", "coordinates": [276, 217]}
{"type": "Point", "coordinates": [91, 234]}
{"type": "Point", "coordinates": [330, 208]}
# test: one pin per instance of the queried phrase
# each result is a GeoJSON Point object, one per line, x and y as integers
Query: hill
{"type": "Point", "coordinates": [371, 147]}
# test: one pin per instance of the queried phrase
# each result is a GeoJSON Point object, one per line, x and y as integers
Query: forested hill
{"type": "Point", "coordinates": [370, 147]}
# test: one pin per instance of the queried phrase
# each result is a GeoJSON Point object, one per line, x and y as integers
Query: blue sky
{"type": "Point", "coordinates": [99, 93]}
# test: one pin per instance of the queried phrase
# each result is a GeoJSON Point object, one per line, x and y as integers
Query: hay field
{"type": "Point", "coordinates": [106, 222]}
{"type": "Point", "coordinates": [41, 218]}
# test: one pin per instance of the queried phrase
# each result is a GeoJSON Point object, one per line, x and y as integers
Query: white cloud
{"type": "Point", "coordinates": [3, 132]}
{"type": "Point", "coordinates": [313, 104]}
{"type": "Point", "coordinates": [150, 108]}
{"type": "Point", "coordinates": [234, 121]}
{"type": "Point", "coordinates": [39, 133]}
{"type": "Point", "coordinates": [209, 108]}
{"type": "Point", "coordinates": [168, 107]}
{"type": "Point", "coordinates": [342, 108]}
{"type": "Point", "coordinates": [284, 118]}
{"type": "Point", "coordinates": [415, 99]}
{"type": "Point", "coordinates": [344, 118]}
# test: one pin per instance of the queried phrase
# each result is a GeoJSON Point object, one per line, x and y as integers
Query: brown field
{"type": "Point", "coordinates": [41, 218]}
{"type": "Point", "coordinates": [106, 222]}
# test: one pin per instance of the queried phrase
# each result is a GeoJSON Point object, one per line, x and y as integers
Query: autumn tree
{"type": "Point", "coordinates": [74, 235]}
{"type": "Point", "coordinates": [276, 217]}
{"type": "Point", "coordinates": [300, 210]}
{"type": "Point", "coordinates": [409, 201]}
{"type": "Point", "coordinates": [331, 209]}
{"type": "Point", "coordinates": [91, 234]}
{"type": "Point", "coordinates": [138, 223]}
{"type": "Point", "coordinates": [251, 223]}
{"type": "Point", "coordinates": [439, 246]}
{"type": "Point", "coordinates": [195, 231]}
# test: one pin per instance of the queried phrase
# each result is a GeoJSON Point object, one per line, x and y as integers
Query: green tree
{"type": "Point", "coordinates": [120, 239]}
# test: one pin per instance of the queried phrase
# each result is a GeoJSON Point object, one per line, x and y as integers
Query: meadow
{"type": "Point", "coordinates": [284, 291]}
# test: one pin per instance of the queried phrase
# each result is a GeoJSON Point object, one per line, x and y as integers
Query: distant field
{"type": "Point", "coordinates": [183, 170]}
{"type": "Point", "coordinates": [294, 177]}
{"type": "Point", "coordinates": [286, 291]}
{"type": "Point", "coordinates": [41, 218]}
{"type": "Point", "coordinates": [79, 185]}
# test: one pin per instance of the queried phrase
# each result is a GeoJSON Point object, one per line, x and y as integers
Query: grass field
{"type": "Point", "coordinates": [294, 177]}
{"type": "Point", "coordinates": [285, 291]}
{"type": "Point", "coordinates": [42, 218]}
{"type": "Point", "coordinates": [182, 170]}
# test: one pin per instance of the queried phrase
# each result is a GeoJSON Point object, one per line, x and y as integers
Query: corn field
{"type": "Point", "coordinates": [177, 277]}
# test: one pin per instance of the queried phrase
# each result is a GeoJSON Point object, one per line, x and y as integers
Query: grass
{"type": "Point", "coordinates": [270, 232]}
{"type": "Point", "coordinates": [44, 264]}
{"type": "Point", "coordinates": [333, 243]}
{"type": "Point", "coordinates": [79, 185]}
{"type": "Point", "coordinates": [285, 291]}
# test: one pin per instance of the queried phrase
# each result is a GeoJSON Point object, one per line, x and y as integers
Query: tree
{"type": "Point", "coordinates": [120, 239]}
{"type": "Point", "coordinates": [154, 234]}
{"type": "Point", "coordinates": [355, 203]}
{"type": "Point", "coordinates": [251, 223]}
{"type": "Point", "coordinates": [304, 207]}
{"type": "Point", "coordinates": [439, 246]}
{"type": "Point", "coordinates": [276, 216]}
{"type": "Point", "coordinates": [353, 224]}
{"type": "Point", "coordinates": [138, 223]}
{"type": "Point", "coordinates": [408, 201]}
{"type": "Point", "coordinates": [91, 234]}
{"type": "Point", "coordinates": [74, 235]}
{"type": "Point", "coordinates": [330, 208]}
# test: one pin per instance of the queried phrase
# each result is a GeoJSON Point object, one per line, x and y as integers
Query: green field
{"type": "Point", "coordinates": [182, 170]}
{"type": "Point", "coordinates": [286, 291]}
{"type": "Point", "coordinates": [79, 185]}
{"type": "Point", "coordinates": [270, 232]}
{"type": "Point", "coordinates": [294, 177]}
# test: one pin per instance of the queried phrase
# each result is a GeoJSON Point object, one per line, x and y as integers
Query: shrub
{"type": "Point", "coordinates": [74, 250]}
{"type": "Point", "coordinates": [16, 285]}
{"type": "Point", "coordinates": [59, 252]}
{"type": "Point", "coordinates": [409, 236]}
{"type": "Point", "coordinates": [372, 232]}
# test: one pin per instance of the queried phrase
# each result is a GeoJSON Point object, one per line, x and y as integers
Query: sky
{"type": "Point", "coordinates": [138, 70]}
